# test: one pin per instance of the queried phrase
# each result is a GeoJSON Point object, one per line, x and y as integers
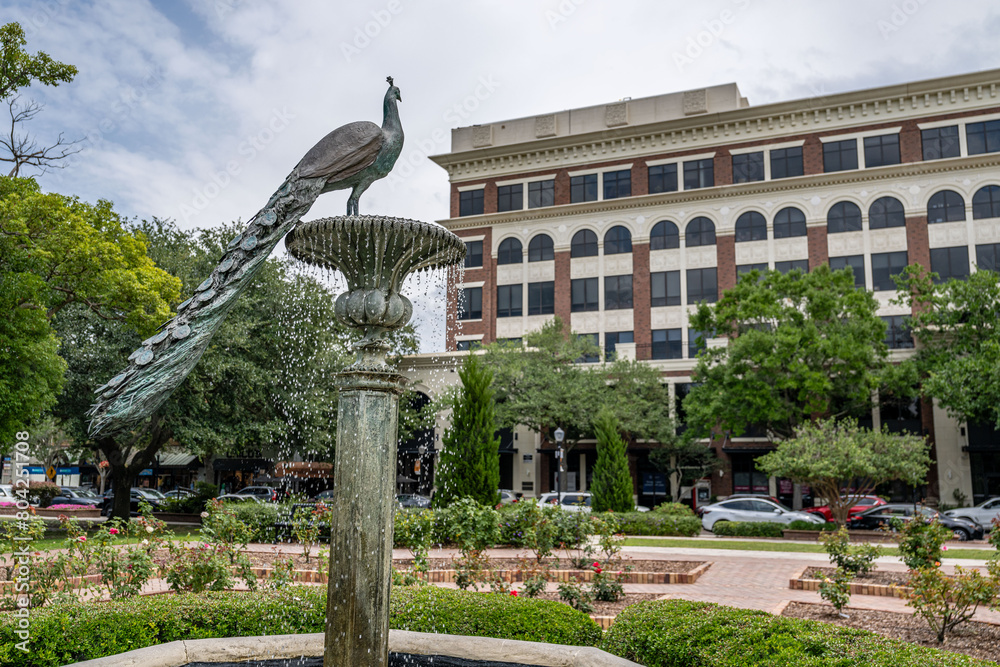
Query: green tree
{"type": "Point", "coordinates": [612, 483]}
{"type": "Point", "coordinates": [19, 69]}
{"type": "Point", "coordinates": [470, 459]}
{"type": "Point", "coordinates": [56, 251]}
{"type": "Point", "coordinates": [800, 345]}
{"type": "Point", "coordinates": [959, 355]}
{"type": "Point", "coordinates": [843, 462]}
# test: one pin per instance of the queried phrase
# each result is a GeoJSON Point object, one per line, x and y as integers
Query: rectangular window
{"type": "Point", "coordinates": [466, 345]}
{"type": "Point", "coordinates": [840, 155]}
{"type": "Point", "coordinates": [508, 301]}
{"type": "Point", "coordinates": [988, 257]}
{"type": "Point", "coordinates": [950, 263]}
{"type": "Point", "coordinates": [542, 298]}
{"type": "Point", "coordinates": [897, 332]}
{"type": "Point", "coordinates": [617, 184]}
{"type": "Point", "coordinates": [617, 292]}
{"type": "Point", "coordinates": [470, 202]}
{"type": "Point", "coordinates": [748, 167]}
{"type": "Point", "coordinates": [667, 344]}
{"type": "Point", "coordinates": [611, 341]}
{"type": "Point", "coordinates": [510, 197]}
{"type": "Point", "coordinates": [940, 142]}
{"type": "Point", "coordinates": [665, 288]}
{"type": "Point", "coordinates": [663, 178]}
{"type": "Point", "coordinates": [785, 267]}
{"type": "Point", "coordinates": [681, 390]}
{"type": "Point", "coordinates": [590, 358]}
{"type": "Point", "coordinates": [983, 137]}
{"type": "Point", "coordinates": [856, 264]}
{"type": "Point", "coordinates": [886, 265]}
{"type": "Point", "coordinates": [882, 150]}
{"type": "Point", "coordinates": [747, 268]}
{"type": "Point", "coordinates": [511, 342]}
{"type": "Point", "coordinates": [541, 193]}
{"type": "Point", "coordinates": [584, 295]}
{"type": "Point", "coordinates": [702, 285]}
{"type": "Point", "coordinates": [697, 341]}
{"type": "Point", "coordinates": [583, 188]}
{"type": "Point", "coordinates": [699, 174]}
{"type": "Point", "coordinates": [470, 304]}
{"type": "Point", "coordinates": [786, 162]}
{"type": "Point", "coordinates": [473, 254]}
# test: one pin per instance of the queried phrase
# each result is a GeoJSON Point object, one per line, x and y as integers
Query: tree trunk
{"type": "Point", "coordinates": [121, 482]}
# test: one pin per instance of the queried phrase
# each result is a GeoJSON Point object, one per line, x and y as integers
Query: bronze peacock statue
{"type": "Point", "coordinates": [352, 156]}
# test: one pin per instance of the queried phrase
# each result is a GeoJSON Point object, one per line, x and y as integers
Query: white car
{"type": "Point", "coordinates": [983, 513]}
{"type": "Point", "coordinates": [575, 501]}
{"type": "Point", "coordinates": [753, 509]}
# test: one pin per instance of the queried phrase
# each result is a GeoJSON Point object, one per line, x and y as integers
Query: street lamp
{"type": "Point", "coordinates": [421, 450]}
{"type": "Point", "coordinates": [560, 434]}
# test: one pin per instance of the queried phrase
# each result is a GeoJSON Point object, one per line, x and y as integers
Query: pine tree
{"type": "Point", "coordinates": [612, 485]}
{"type": "Point", "coordinates": [470, 460]}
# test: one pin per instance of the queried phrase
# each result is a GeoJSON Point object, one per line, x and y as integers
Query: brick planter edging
{"type": "Point", "coordinates": [798, 583]}
{"type": "Point", "coordinates": [853, 535]}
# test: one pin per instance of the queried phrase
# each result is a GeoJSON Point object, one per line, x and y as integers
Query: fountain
{"type": "Point", "coordinates": [375, 254]}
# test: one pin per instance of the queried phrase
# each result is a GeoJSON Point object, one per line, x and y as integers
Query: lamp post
{"type": "Point", "coordinates": [560, 434]}
{"type": "Point", "coordinates": [421, 450]}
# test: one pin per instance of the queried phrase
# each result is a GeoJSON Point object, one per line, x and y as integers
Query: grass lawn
{"type": "Point", "coordinates": [798, 547]}
{"type": "Point", "coordinates": [180, 533]}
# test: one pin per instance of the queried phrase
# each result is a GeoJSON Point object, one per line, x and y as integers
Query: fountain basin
{"type": "Point", "coordinates": [409, 649]}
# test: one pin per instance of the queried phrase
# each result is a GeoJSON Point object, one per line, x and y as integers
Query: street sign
{"type": "Point", "coordinates": [51, 472]}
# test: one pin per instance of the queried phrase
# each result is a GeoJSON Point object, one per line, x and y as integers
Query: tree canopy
{"type": "Point", "coordinates": [843, 462]}
{"type": "Point", "coordinates": [800, 346]}
{"type": "Point", "coordinates": [958, 325]}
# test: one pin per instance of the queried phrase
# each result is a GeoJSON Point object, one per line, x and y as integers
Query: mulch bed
{"type": "Point", "coordinates": [608, 608]}
{"type": "Point", "coordinates": [980, 640]}
{"type": "Point", "coordinates": [879, 577]}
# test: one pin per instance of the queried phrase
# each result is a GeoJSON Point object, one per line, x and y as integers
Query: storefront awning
{"type": "Point", "coordinates": [245, 465]}
{"type": "Point", "coordinates": [303, 469]}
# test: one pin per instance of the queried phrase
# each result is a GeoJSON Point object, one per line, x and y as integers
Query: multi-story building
{"type": "Point", "coordinates": [620, 218]}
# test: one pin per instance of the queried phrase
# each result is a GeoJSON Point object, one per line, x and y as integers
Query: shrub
{"type": "Point", "coordinates": [747, 529]}
{"type": "Point", "coordinates": [576, 596]}
{"type": "Point", "coordinates": [67, 633]}
{"type": "Point", "coordinates": [679, 509]}
{"type": "Point", "coordinates": [668, 633]}
{"type": "Point", "coordinates": [571, 529]}
{"type": "Point", "coordinates": [473, 527]}
{"type": "Point", "coordinates": [199, 569]}
{"type": "Point", "coordinates": [920, 542]}
{"type": "Point", "coordinates": [946, 602]}
{"type": "Point", "coordinates": [258, 517]}
{"type": "Point", "coordinates": [799, 524]}
{"type": "Point", "coordinates": [528, 525]}
{"type": "Point", "coordinates": [612, 483]}
{"type": "Point", "coordinates": [204, 492]}
{"type": "Point", "coordinates": [837, 591]}
{"type": "Point", "coordinates": [851, 560]}
{"type": "Point", "coordinates": [657, 523]}
{"type": "Point", "coordinates": [412, 530]}
{"type": "Point", "coordinates": [43, 492]}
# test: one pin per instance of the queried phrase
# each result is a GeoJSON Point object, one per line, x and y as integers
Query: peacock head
{"type": "Point", "coordinates": [393, 92]}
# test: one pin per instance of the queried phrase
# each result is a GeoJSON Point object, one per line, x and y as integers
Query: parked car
{"type": "Point", "coordinates": [863, 503]}
{"type": "Point", "coordinates": [74, 495]}
{"type": "Point", "coordinates": [412, 500]}
{"type": "Point", "coordinates": [984, 513]}
{"type": "Point", "coordinates": [238, 498]}
{"type": "Point", "coordinates": [324, 495]}
{"type": "Point", "coordinates": [507, 496]}
{"type": "Point", "coordinates": [180, 493]}
{"type": "Point", "coordinates": [883, 515]}
{"type": "Point", "coordinates": [267, 494]}
{"type": "Point", "coordinates": [7, 494]}
{"type": "Point", "coordinates": [752, 509]}
{"type": "Point", "coordinates": [151, 496]}
{"type": "Point", "coordinates": [574, 501]}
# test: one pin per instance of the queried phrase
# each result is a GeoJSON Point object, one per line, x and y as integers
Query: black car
{"type": "Point", "coordinates": [75, 495]}
{"type": "Point", "coordinates": [151, 496]}
{"type": "Point", "coordinates": [882, 516]}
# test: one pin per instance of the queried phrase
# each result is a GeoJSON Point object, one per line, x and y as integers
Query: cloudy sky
{"type": "Point", "coordinates": [197, 109]}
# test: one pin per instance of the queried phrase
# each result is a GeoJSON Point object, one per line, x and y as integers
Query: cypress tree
{"type": "Point", "coordinates": [470, 459]}
{"type": "Point", "coordinates": [612, 485]}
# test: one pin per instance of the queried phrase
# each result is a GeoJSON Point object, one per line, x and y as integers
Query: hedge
{"type": "Point", "coordinates": [67, 633]}
{"type": "Point", "coordinates": [747, 529]}
{"type": "Point", "coordinates": [675, 633]}
{"type": "Point", "coordinates": [661, 524]}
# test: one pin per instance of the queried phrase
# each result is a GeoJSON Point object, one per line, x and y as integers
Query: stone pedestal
{"type": "Point", "coordinates": [357, 610]}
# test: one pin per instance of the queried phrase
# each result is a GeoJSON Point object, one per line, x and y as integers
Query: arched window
{"type": "Point", "coordinates": [540, 248]}
{"type": "Point", "coordinates": [584, 244]}
{"type": "Point", "coordinates": [664, 235]}
{"type": "Point", "coordinates": [945, 206]}
{"type": "Point", "coordinates": [886, 212]}
{"type": "Point", "coordinates": [844, 216]}
{"type": "Point", "coordinates": [509, 252]}
{"type": "Point", "coordinates": [617, 240]}
{"type": "Point", "coordinates": [700, 231]}
{"type": "Point", "coordinates": [751, 226]}
{"type": "Point", "coordinates": [789, 222]}
{"type": "Point", "coordinates": [986, 202]}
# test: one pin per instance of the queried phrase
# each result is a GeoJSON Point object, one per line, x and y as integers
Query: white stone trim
{"type": "Point", "coordinates": [477, 237]}
{"type": "Point", "coordinates": [752, 149]}
{"type": "Point", "coordinates": [467, 188]}
{"type": "Point", "coordinates": [697, 156]}
{"type": "Point", "coordinates": [479, 283]}
{"type": "Point", "coordinates": [657, 163]}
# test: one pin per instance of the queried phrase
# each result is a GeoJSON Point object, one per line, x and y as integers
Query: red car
{"type": "Point", "coordinates": [864, 503]}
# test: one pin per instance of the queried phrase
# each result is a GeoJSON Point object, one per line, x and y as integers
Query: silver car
{"type": "Point", "coordinates": [983, 513]}
{"type": "Point", "coordinates": [753, 509]}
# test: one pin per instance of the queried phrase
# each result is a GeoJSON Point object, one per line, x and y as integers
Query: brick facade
{"type": "Point", "coordinates": [641, 330]}
{"type": "Point", "coordinates": [819, 253]}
